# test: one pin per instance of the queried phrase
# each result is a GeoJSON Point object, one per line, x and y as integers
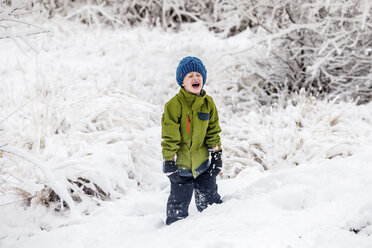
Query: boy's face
{"type": "Point", "coordinates": [193, 83]}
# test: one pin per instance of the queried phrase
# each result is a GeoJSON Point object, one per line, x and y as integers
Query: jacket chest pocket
{"type": "Point", "coordinates": [203, 116]}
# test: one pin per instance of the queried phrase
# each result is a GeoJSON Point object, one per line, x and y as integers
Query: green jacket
{"type": "Point", "coordinates": [189, 127]}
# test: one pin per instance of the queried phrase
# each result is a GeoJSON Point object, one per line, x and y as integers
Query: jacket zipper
{"type": "Point", "coordinates": [188, 131]}
{"type": "Point", "coordinates": [188, 123]}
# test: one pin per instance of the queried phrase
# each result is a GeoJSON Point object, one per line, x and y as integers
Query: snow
{"type": "Point", "coordinates": [313, 205]}
{"type": "Point", "coordinates": [89, 104]}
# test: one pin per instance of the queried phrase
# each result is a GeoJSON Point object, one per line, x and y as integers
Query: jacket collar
{"type": "Point", "coordinates": [191, 98]}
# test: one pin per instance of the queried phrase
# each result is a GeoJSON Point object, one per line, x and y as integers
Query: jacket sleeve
{"type": "Point", "coordinates": [212, 139]}
{"type": "Point", "coordinates": [170, 133]}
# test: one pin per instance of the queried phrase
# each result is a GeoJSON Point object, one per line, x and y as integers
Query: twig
{"type": "Point", "coordinates": [289, 13]}
{"type": "Point", "coordinates": [26, 198]}
{"type": "Point", "coordinates": [27, 23]}
{"type": "Point", "coordinates": [22, 35]}
{"type": "Point", "coordinates": [19, 109]}
{"type": "Point", "coordinates": [258, 21]}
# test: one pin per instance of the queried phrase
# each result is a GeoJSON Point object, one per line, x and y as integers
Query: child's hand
{"type": "Point", "coordinates": [216, 162]}
{"type": "Point", "coordinates": [169, 167]}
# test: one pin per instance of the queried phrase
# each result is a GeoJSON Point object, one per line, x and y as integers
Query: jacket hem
{"type": "Point", "coordinates": [185, 173]}
{"type": "Point", "coordinates": [203, 167]}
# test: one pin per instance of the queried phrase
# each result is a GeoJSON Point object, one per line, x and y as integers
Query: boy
{"type": "Point", "coordinates": [190, 130]}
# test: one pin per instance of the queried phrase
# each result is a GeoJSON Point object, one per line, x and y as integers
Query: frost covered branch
{"type": "Point", "coordinates": [8, 23]}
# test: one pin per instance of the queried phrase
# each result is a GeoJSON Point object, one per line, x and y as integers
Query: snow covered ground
{"type": "Point", "coordinates": [313, 205]}
{"type": "Point", "coordinates": [89, 106]}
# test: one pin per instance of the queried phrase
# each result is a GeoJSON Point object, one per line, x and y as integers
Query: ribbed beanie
{"type": "Point", "coordinates": [190, 64]}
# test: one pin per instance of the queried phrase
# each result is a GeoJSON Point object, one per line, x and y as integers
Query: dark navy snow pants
{"type": "Point", "coordinates": [205, 192]}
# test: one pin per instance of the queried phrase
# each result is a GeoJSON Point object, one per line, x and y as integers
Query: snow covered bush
{"type": "Point", "coordinates": [304, 131]}
{"type": "Point", "coordinates": [62, 138]}
{"type": "Point", "coordinates": [321, 46]}
{"type": "Point", "coordinates": [93, 140]}
{"type": "Point", "coordinates": [225, 17]}
{"type": "Point", "coordinates": [84, 141]}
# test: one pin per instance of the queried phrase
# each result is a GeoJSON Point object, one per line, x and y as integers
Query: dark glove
{"type": "Point", "coordinates": [216, 162]}
{"type": "Point", "coordinates": [170, 169]}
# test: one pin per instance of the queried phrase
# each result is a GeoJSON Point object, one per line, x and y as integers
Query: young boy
{"type": "Point", "coordinates": [190, 130]}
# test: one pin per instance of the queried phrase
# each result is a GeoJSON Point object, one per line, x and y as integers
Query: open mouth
{"type": "Point", "coordinates": [195, 85]}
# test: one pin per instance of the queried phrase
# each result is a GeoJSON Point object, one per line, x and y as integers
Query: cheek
{"type": "Point", "coordinates": [187, 82]}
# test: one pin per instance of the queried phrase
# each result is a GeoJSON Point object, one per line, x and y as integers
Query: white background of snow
{"type": "Point", "coordinates": [103, 93]}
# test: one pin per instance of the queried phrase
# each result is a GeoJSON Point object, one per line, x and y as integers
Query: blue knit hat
{"type": "Point", "coordinates": [190, 64]}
